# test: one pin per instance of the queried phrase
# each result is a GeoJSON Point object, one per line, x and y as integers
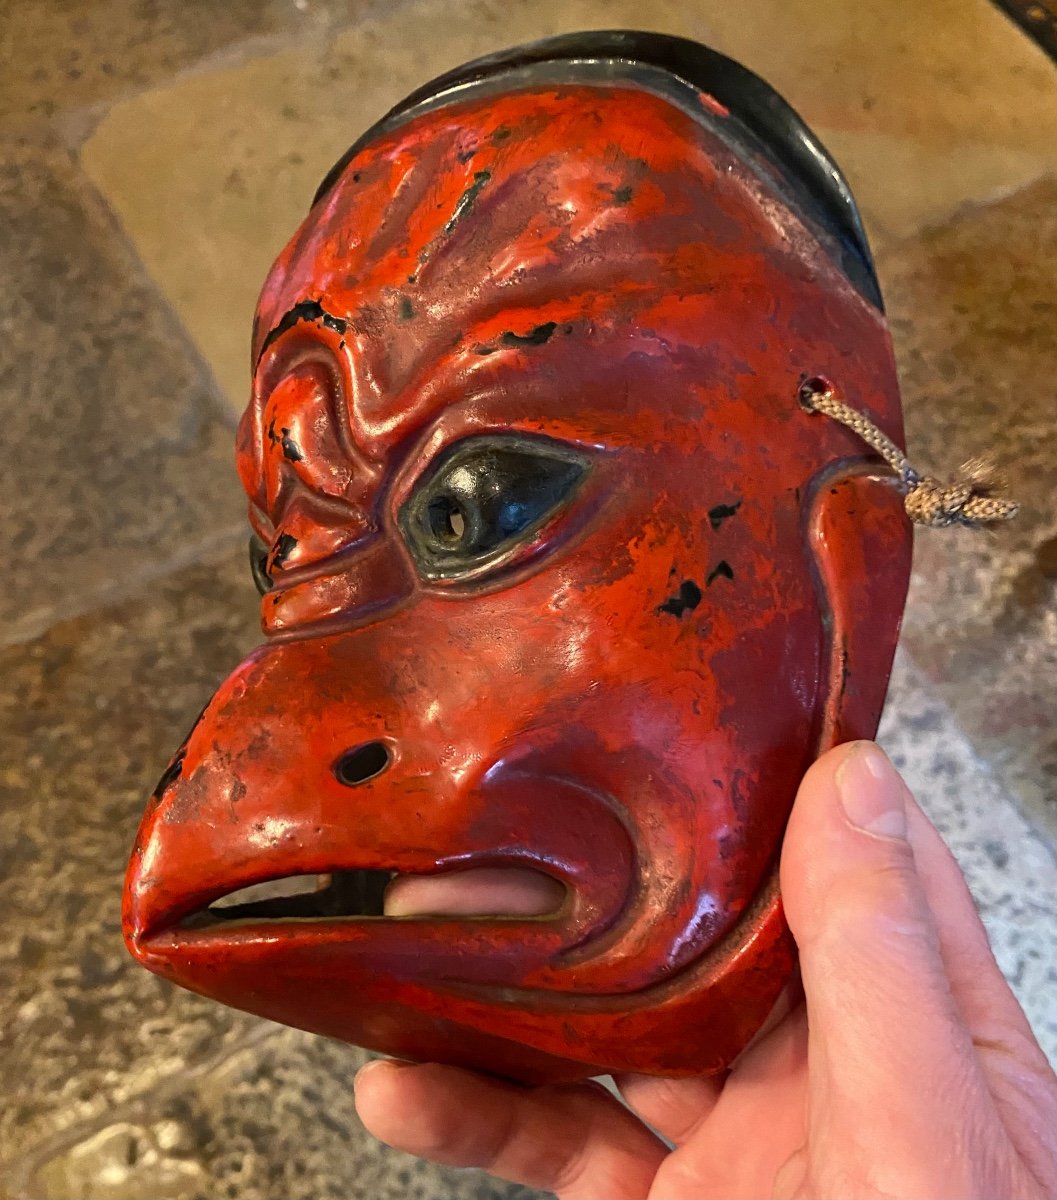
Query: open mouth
{"type": "Point", "coordinates": [495, 893]}
{"type": "Point", "coordinates": [299, 897]}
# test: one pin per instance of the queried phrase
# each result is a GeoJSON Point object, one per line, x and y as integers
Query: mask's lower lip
{"type": "Point", "coordinates": [505, 892]}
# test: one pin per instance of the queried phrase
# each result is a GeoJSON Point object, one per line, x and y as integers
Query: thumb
{"type": "Point", "coordinates": [888, 1050]}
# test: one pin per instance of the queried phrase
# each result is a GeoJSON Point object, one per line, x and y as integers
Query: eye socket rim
{"type": "Point", "coordinates": [455, 568]}
{"type": "Point", "coordinates": [258, 552]}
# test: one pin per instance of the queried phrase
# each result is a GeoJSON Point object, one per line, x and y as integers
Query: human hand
{"type": "Point", "coordinates": [912, 1071]}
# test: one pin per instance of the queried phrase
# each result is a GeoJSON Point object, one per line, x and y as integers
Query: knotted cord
{"type": "Point", "coordinates": [971, 499]}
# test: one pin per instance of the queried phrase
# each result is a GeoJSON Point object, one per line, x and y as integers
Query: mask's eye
{"type": "Point", "coordinates": [259, 564]}
{"type": "Point", "coordinates": [484, 496]}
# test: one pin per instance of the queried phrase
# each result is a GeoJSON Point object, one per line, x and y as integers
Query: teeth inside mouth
{"type": "Point", "coordinates": [477, 892]}
{"type": "Point", "coordinates": [495, 892]}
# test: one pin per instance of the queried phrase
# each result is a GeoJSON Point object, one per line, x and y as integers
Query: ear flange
{"type": "Point", "coordinates": [861, 541]}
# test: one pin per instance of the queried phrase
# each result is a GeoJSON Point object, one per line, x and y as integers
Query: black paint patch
{"type": "Point", "coordinates": [171, 773]}
{"type": "Point", "coordinates": [291, 450]}
{"type": "Point", "coordinates": [467, 199]}
{"type": "Point", "coordinates": [484, 348]}
{"type": "Point", "coordinates": [283, 548]}
{"type": "Point", "coordinates": [407, 309]}
{"type": "Point", "coordinates": [273, 437]}
{"type": "Point", "coordinates": [465, 155]}
{"type": "Point", "coordinates": [687, 599]}
{"type": "Point", "coordinates": [722, 512]}
{"type": "Point", "coordinates": [501, 134]}
{"type": "Point", "coordinates": [307, 310]}
{"type": "Point", "coordinates": [536, 337]}
{"type": "Point", "coordinates": [623, 195]}
{"type": "Point", "coordinates": [722, 568]}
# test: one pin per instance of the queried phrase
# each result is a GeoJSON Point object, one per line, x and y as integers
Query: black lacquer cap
{"type": "Point", "coordinates": [766, 126]}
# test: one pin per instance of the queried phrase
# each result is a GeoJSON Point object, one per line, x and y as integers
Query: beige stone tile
{"type": "Point", "coordinates": [973, 310]}
{"type": "Point", "coordinates": [59, 57]}
{"type": "Point", "coordinates": [904, 185]}
{"type": "Point", "coordinates": [929, 105]}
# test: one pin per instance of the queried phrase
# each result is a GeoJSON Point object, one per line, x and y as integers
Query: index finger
{"type": "Point", "coordinates": [576, 1140]}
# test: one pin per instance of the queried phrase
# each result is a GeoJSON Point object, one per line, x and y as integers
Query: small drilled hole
{"type": "Point", "coordinates": [363, 763]}
{"type": "Point", "coordinates": [814, 388]}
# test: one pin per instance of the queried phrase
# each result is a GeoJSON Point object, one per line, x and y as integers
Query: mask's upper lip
{"type": "Point", "coordinates": [179, 869]}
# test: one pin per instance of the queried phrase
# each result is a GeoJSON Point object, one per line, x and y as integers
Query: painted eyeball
{"type": "Point", "coordinates": [484, 497]}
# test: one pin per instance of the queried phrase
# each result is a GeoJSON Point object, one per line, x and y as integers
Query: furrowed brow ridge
{"type": "Point", "coordinates": [304, 310]}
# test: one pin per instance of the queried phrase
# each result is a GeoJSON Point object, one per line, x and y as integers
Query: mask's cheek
{"type": "Point", "coordinates": [696, 727]}
{"type": "Point", "coordinates": [703, 768]}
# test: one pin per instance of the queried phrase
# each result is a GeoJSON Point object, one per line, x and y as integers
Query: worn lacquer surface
{"type": "Point", "coordinates": [626, 692]}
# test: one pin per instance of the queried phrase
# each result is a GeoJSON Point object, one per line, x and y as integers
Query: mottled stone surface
{"type": "Point", "coordinates": [118, 459]}
{"type": "Point", "coordinates": [63, 56]}
{"type": "Point", "coordinates": [974, 309]}
{"type": "Point", "coordinates": [919, 117]}
{"type": "Point", "coordinates": [1010, 868]}
{"type": "Point", "coordinates": [276, 1120]}
{"type": "Point", "coordinates": [91, 713]}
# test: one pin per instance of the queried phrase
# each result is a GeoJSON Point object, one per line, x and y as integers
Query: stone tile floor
{"type": "Point", "coordinates": [154, 155]}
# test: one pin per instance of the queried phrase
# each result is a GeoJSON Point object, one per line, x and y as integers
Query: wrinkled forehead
{"type": "Point", "coordinates": [601, 192]}
{"type": "Point", "coordinates": [592, 262]}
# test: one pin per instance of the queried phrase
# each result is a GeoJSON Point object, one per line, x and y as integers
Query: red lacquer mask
{"type": "Point", "coordinates": [558, 572]}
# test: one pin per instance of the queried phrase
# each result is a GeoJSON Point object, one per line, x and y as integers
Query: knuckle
{"type": "Point", "coordinates": [875, 920]}
{"type": "Point", "coordinates": [887, 893]}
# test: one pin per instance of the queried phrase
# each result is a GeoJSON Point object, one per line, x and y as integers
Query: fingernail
{"type": "Point", "coordinates": [376, 1063]}
{"type": "Point", "coordinates": [871, 792]}
{"type": "Point", "coordinates": [367, 1069]}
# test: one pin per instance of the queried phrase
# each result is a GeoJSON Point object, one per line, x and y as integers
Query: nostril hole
{"type": "Point", "coordinates": [363, 763]}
